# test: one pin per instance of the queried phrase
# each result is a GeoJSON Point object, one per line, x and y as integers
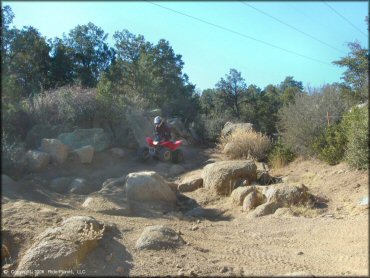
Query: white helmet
{"type": "Point", "coordinates": [157, 120]}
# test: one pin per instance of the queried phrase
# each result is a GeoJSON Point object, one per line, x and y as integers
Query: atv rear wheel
{"type": "Point", "coordinates": [177, 156]}
{"type": "Point", "coordinates": [165, 155]}
{"type": "Point", "coordinates": [143, 154]}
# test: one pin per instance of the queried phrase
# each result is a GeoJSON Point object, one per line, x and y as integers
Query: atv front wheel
{"type": "Point", "coordinates": [177, 156]}
{"type": "Point", "coordinates": [143, 154]}
{"type": "Point", "coordinates": [165, 154]}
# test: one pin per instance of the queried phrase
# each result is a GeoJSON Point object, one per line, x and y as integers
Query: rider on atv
{"type": "Point", "coordinates": [162, 130]}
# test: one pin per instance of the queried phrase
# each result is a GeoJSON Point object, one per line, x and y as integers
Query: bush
{"type": "Point", "coordinates": [65, 105]}
{"type": "Point", "coordinates": [280, 155]}
{"type": "Point", "coordinates": [301, 122]}
{"type": "Point", "coordinates": [245, 144]}
{"type": "Point", "coordinates": [210, 128]}
{"type": "Point", "coordinates": [12, 153]}
{"type": "Point", "coordinates": [330, 144]}
{"type": "Point", "coordinates": [355, 124]}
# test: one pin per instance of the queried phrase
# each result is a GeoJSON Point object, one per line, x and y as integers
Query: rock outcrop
{"type": "Point", "coordinates": [224, 176]}
{"type": "Point", "coordinates": [79, 138]}
{"type": "Point", "coordinates": [159, 237]}
{"type": "Point", "coordinates": [63, 247]}
{"type": "Point", "coordinates": [36, 160]}
{"type": "Point", "coordinates": [58, 150]}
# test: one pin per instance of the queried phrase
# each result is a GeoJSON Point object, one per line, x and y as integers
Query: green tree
{"type": "Point", "coordinates": [233, 90]}
{"type": "Point", "coordinates": [290, 88]}
{"type": "Point", "coordinates": [356, 76]}
{"type": "Point", "coordinates": [91, 53]}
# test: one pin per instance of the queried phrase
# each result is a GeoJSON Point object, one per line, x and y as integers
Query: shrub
{"type": "Point", "coordinates": [245, 144]}
{"type": "Point", "coordinates": [12, 153]}
{"type": "Point", "coordinates": [280, 155]}
{"type": "Point", "coordinates": [355, 124]}
{"type": "Point", "coordinates": [302, 121]}
{"type": "Point", "coordinates": [330, 144]}
{"type": "Point", "coordinates": [71, 105]}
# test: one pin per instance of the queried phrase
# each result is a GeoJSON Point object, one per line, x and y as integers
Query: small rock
{"type": "Point", "coordinates": [357, 185]}
{"type": "Point", "coordinates": [192, 273]}
{"type": "Point", "coordinates": [300, 253]}
{"type": "Point", "coordinates": [223, 269]}
{"type": "Point", "coordinates": [194, 228]}
{"type": "Point", "coordinates": [178, 266]}
{"type": "Point", "coordinates": [120, 270]}
{"type": "Point", "coordinates": [198, 221]}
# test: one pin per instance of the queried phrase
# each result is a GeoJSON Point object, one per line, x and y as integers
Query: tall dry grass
{"type": "Point", "coordinates": [245, 144]}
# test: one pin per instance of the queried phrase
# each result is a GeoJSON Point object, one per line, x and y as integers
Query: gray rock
{"type": "Point", "coordinates": [106, 205]}
{"type": "Point", "coordinates": [85, 154]}
{"type": "Point", "coordinates": [36, 160]}
{"type": "Point", "coordinates": [239, 193]}
{"type": "Point", "coordinates": [230, 127]}
{"type": "Point", "coordinates": [222, 177]}
{"type": "Point", "coordinates": [95, 137]}
{"type": "Point", "coordinates": [159, 237]}
{"type": "Point", "coordinates": [190, 185]}
{"type": "Point", "coordinates": [63, 247]}
{"type": "Point", "coordinates": [286, 195]}
{"type": "Point", "coordinates": [148, 186]}
{"type": "Point", "coordinates": [39, 131]}
{"type": "Point", "coordinates": [81, 186]}
{"type": "Point", "coordinates": [61, 185]}
{"type": "Point", "coordinates": [364, 201]}
{"type": "Point", "coordinates": [57, 150]}
{"type": "Point", "coordinates": [140, 126]}
{"type": "Point", "coordinates": [265, 209]}
{"type": "Point", "coordinates": [253, 200]}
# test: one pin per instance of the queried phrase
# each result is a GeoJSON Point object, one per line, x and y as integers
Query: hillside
{"type": "Point", "coordinates": [330, 239]}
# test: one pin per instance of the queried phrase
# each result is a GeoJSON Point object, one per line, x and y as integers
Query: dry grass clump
{"type": "Point", "coordinates": [246, 144]}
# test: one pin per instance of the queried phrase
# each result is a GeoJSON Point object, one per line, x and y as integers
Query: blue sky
{"type": "Point", "coordinates": [209, 52]}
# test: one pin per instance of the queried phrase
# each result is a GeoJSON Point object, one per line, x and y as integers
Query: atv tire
{"type": "Point", "coordinates": [143, 154]}
{"type": "Point", "coordinates": [177, 156]}
{"type": "Point", "coordinates": [165, 155]}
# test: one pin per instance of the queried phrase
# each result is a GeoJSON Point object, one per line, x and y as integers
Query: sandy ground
{"type": "Point", "coordinates": [327, 241]}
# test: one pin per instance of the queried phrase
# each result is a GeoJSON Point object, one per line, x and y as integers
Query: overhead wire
{"type": "Point", "coordinates": [292, 27]}
{"type": "Point", "coordinates": [240, 34]}
{"type": "Point", "coordinates": [349, 22]}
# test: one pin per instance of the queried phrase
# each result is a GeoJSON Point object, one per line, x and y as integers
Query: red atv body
{"type": "Point", "coordinates": [162, 150]}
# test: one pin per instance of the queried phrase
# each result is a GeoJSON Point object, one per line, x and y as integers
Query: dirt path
{"type": "Point", "coordinates": [332, 241]}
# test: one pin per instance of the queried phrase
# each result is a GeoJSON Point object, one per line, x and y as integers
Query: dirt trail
{"type": "Point", "coordinates": [330, 241]}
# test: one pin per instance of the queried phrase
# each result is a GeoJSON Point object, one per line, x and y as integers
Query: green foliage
{"type": "Point", "coordinates": [355, 124]}
{"type": "Point", "coordinates": [91, 53]}
{"type": "Point", "coordinates": [280, 155]}
{"type": "Point", "coordinates": [12, 152]}
{"type": "Point", "coordinates": [356, 76]}
{"type": "Point", "coordinates": [232, 91]}
{"type": "Point", "coordinates": [330, 144]}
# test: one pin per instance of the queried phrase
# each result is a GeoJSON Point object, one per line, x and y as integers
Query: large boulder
{"type": "Point", "coordinates": [36, 160]}
{"type": "Point", "coordinates": [95, 137]}
{"type": "Point", "coordinates": [230, 127]}
{"type": "Point", "coordinates": [63, 247]}
{"type": "Point", "coordinates": [57, 150]}
{"type": "Point", "coordinates": [286, 195]}
{"type": "Point", "coordinates": [159, 237]}
{"type": "Point", "coordinates": [222, 177]}
{"type": "Point", "coordinates": [40, 131]}
{"type": "Point", "coordinates": [148, 186]}
{"type": "Point", "coordinates": [140, 126]}
{"type": "Point", "coordinates": [85, 154]}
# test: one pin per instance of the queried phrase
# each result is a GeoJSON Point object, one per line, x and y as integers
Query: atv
{"type": "Point", "coordinates": [162, 150]}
